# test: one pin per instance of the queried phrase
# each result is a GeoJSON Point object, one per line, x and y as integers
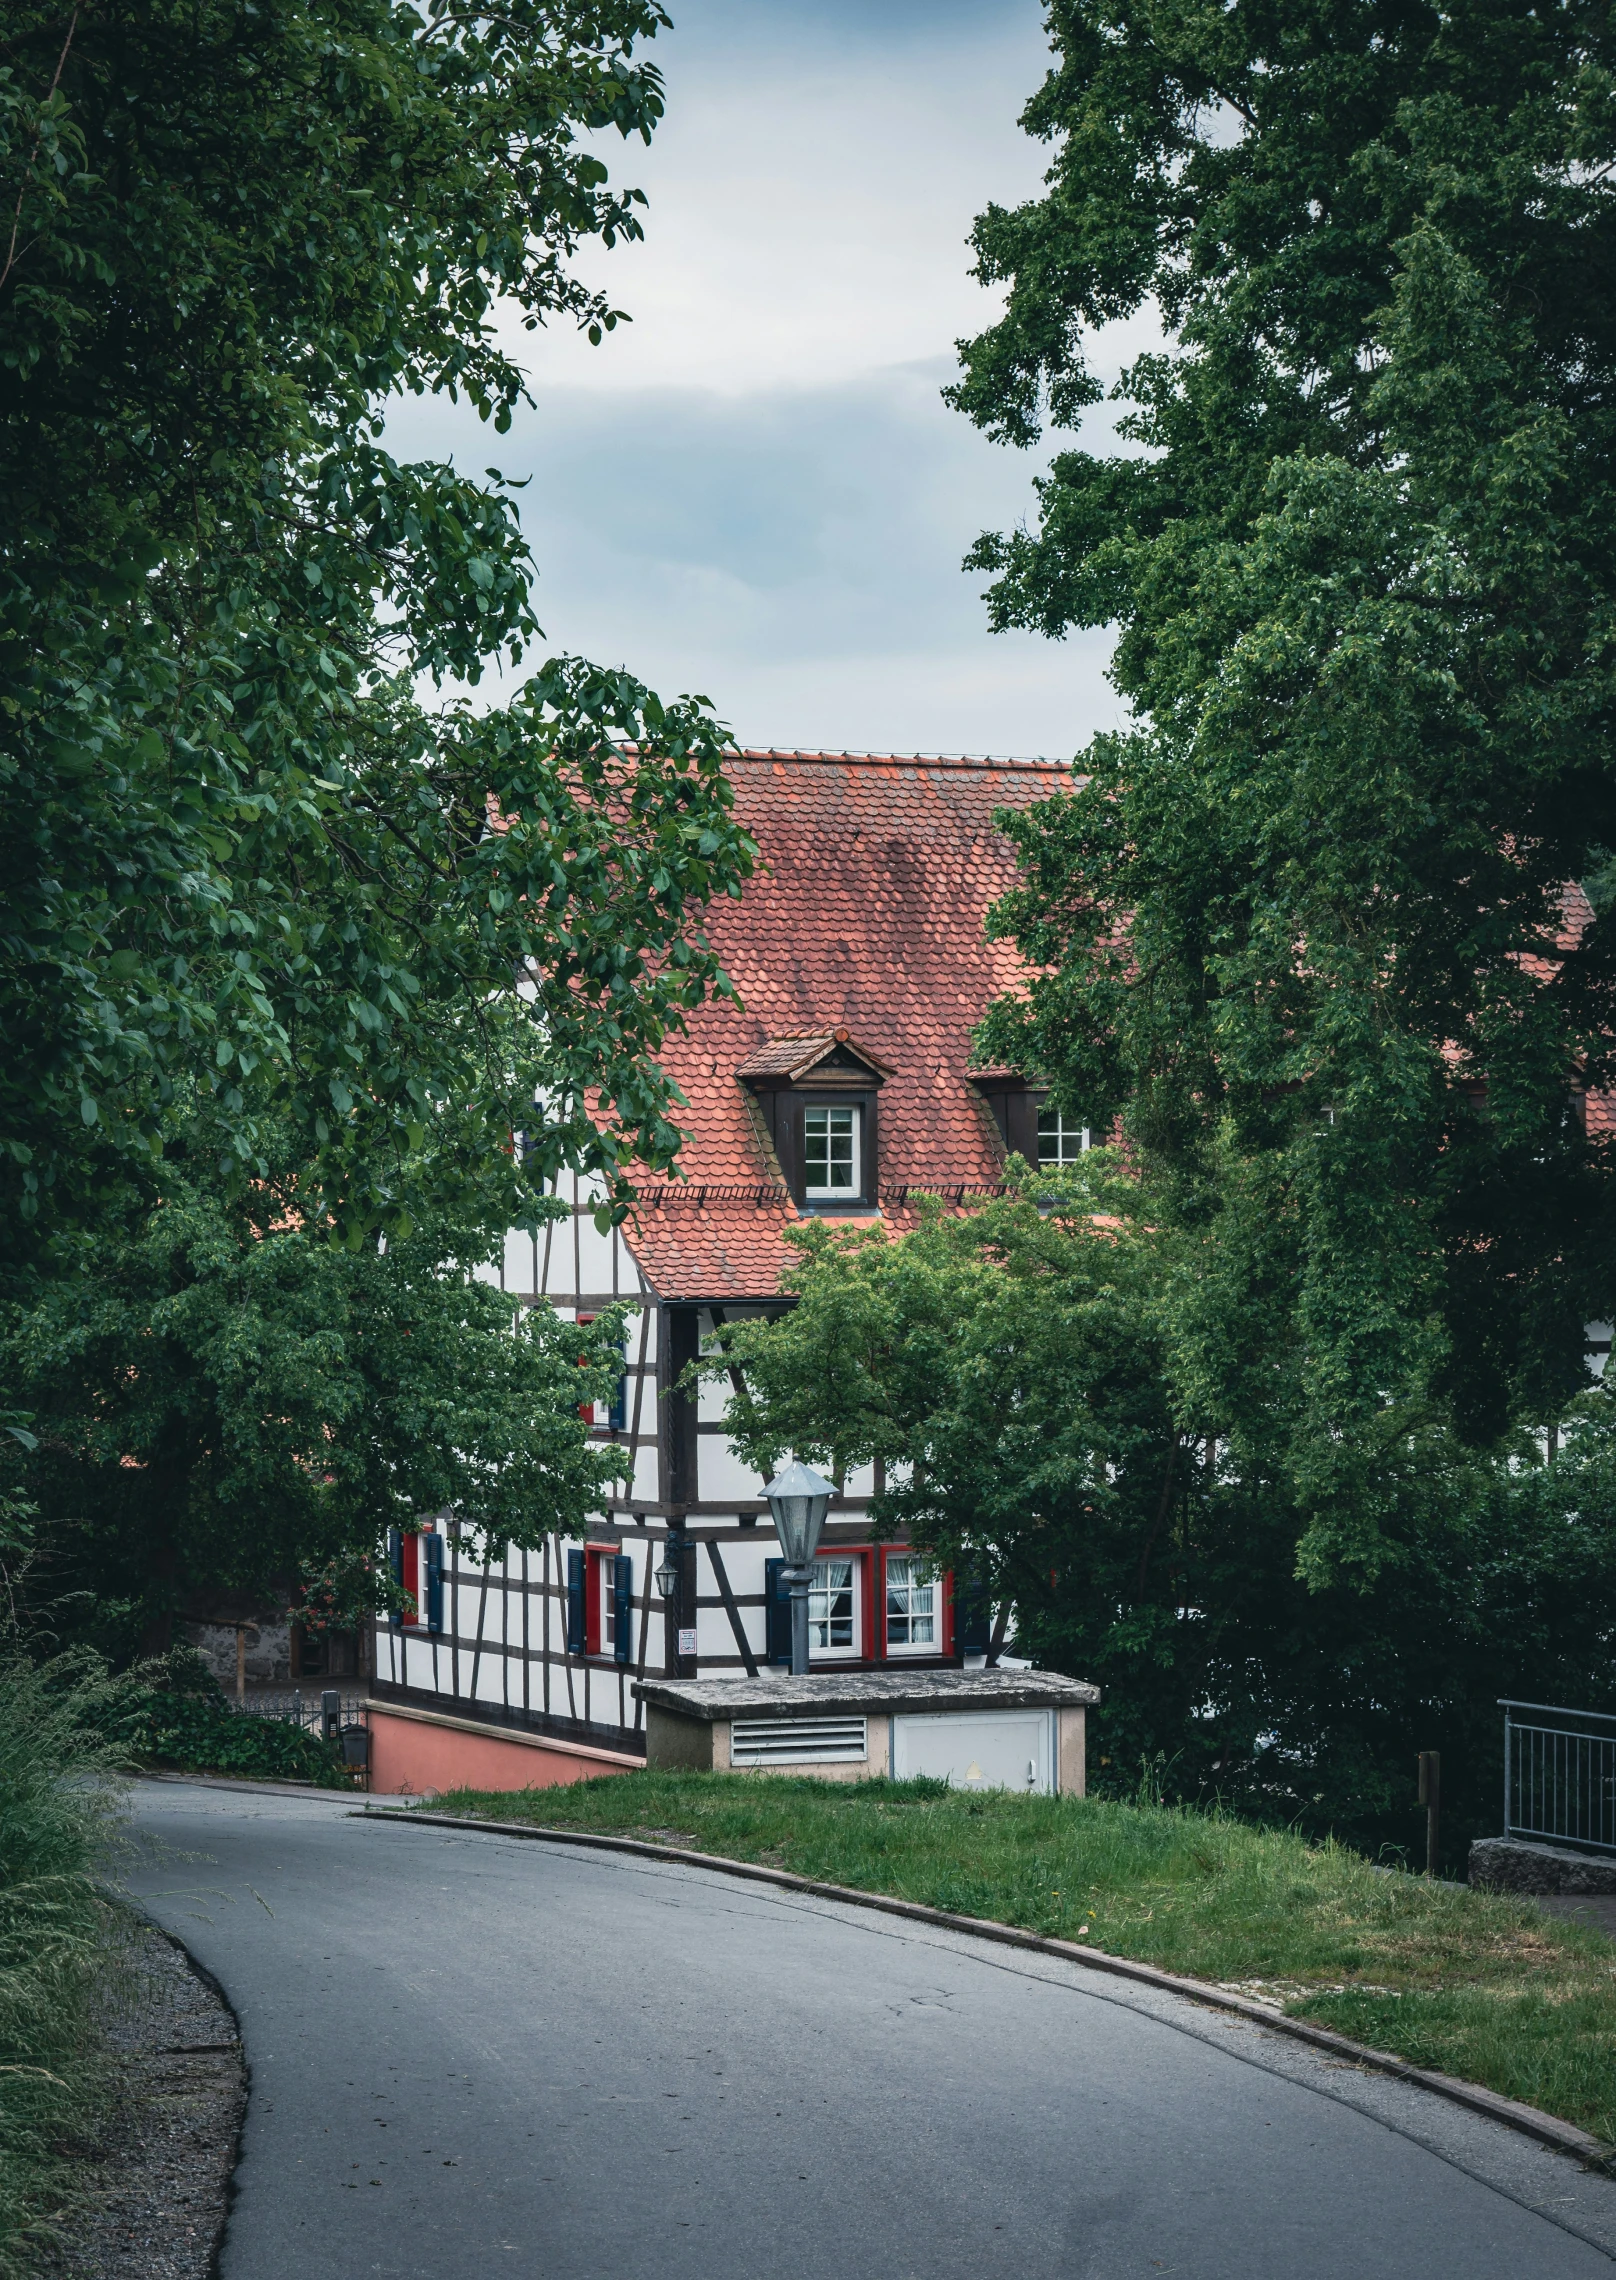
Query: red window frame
{"type": "Point", "coordinates": [945, 1644]}
{"type": "Point", "coordinates": [410, 1565]}
{"type": "Point", "coordinates": [595, 1558]}
{"type": "Point", "coordinates": [586, 1409]}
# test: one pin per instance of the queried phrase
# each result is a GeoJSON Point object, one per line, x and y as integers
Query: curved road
{"type": "Point", "coordinates": [473, 2055]}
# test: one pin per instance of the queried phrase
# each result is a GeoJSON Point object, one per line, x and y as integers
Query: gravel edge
{"type": "Point", "coordinates": [158, 2174]}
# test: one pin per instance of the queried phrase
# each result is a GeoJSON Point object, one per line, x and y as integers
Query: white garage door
{"type": "Point", "coordinates": [980, 1749]}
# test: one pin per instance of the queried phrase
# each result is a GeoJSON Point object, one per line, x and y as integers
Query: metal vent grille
{"type": "Point", "coordinates": [798, 1741]}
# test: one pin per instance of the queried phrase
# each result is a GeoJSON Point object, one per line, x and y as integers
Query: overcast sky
{"type": "Point", "coordinates": [754, 490]}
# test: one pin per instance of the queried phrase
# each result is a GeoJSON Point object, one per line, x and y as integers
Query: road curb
{"type": "Point", "coordinates": [1563, 2137]}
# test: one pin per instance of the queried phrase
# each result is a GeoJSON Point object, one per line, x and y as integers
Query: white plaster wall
{"type": "Point", "coordinates": [743, 1558]}
{"type": "Point", "coordinates": [713, 1634]}
{"type": "Point", "coordinates": [600, 1259]}
{"type": "Point", "coordinates": [722, 1474]}
{"type": "Point", "coordinates": [521, 1264]}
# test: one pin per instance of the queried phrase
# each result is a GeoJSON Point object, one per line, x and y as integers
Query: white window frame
{"type": "Point", "coordinates": [854, 1191]}
{"type": "Point", "coordinates": [1066, 1130]}
{"type": "Point", "coordinates": [603, 1568]}
{"type": "Point", "coordinates": [926, 1579]}
{"type": "Point", "coordinates": [819, 1612]}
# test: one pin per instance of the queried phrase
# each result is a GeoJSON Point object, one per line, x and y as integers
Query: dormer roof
{"type": "Point", "coordinates": [787, 1060]}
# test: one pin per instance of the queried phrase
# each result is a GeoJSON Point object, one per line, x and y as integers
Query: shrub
{"type": "Point", "coordinates": [175, 1714]}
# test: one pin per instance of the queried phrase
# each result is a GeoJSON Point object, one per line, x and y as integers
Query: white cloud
{"type": "Point", "coordinates": [812, 189]}
{"type": "Point", "coordinates": [755, 490]}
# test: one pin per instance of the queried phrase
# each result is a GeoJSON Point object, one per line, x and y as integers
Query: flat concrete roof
{"type": "Point", "coordinates": [830, 1693]}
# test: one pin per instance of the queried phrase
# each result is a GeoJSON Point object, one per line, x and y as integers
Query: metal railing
{"type": "Point", "coordinates": [297, 1707]}
{"type": "Point", "coordinates": [1560, 1775]}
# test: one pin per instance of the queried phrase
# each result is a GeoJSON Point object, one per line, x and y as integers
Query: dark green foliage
{"type": "Point", "coordinates": [204, 1737]}
{"type": "Point", "coordinates": [56, 1932]}
{"type": "Point", "coordinates": [239, 856]}
{"type": "Point", "coordinates": [223, 1400]}
{"type": "Point", "coordinates": [174, 1714]}
{"type": "Point", "coordinates": [1301, 928]}
{"type": "Point", "coordinates": [1024, 1375]}
{"type": "Point", "coordinates": [1481, 1986]}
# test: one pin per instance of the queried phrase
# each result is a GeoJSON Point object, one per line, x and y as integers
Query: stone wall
{"type": "Point", "coordinates": [1509, 1864]}
{"type": "Point", "coordinates": [269, 1650]}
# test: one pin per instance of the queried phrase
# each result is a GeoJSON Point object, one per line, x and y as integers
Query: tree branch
{"type": "Point", "coordinates": [28, 170]}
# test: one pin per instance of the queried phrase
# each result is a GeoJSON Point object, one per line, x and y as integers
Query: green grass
{"type": "Point", "coordinates": [60, 1936]}
{"type": "Point", "coordinates": [1474, 1984]}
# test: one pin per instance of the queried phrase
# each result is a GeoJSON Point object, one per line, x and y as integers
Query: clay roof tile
{"type": "Point", "coordinates": [863, 927]}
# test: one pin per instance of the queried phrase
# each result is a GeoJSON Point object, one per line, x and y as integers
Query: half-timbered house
{"type": "Point", "coordinates": [836, 1086]}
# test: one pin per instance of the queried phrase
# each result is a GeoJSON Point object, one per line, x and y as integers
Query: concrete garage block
{"type": "Point", "coordinates": [989, 1729]}
{"type": "Point", "coordinates": [987, 1749]}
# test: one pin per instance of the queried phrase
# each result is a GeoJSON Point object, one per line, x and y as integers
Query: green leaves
{"type": "Point", "coordinates": [1045, 1381]}
{"type": "Point", "coordinates": [224, 1397]}
{"type": "Point", "coordinates": [1304, 925]}
{"type": "Point", "coordinates": [247, 876]}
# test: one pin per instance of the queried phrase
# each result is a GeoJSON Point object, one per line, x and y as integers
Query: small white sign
{"type": "Point", "coordinates": [687, 1642]}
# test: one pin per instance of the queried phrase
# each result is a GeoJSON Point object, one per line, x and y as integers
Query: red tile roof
{"type": "Point", "coordinates": [866, 915]}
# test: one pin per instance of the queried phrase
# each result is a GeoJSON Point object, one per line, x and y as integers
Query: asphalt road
{"type": "Point", "coordinates": [473, 2055]}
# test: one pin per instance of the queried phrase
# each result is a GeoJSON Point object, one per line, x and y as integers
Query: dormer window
{"type": "Point", "coordinates": [831, 1154]}
{"type": "Point", "coordinates": [1029, 1128]}
{"type": "Point", "coordinates": [819, 1097]}
{"type": "Point", "coordinates": [1061, 1139]}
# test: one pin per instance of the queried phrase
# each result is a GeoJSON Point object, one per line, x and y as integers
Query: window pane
{"type": "Point", "coordinates": [1061, 1140]}
{"type": "Point", "coordinates": [830, 1604]}
{"type": "Point", "coordinates": [911, 1604]}
{"type": "Point", "coordinates": [608, 1612]}
{"type": "Point", "coordinates": [830, 1155]}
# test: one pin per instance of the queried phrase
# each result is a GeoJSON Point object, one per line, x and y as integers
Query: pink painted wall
{"type": "Point", "coordinates": [409, 1758]}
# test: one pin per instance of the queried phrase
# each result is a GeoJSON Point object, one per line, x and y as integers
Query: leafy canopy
{"type": "Point", "coordinates": [1022, 1373]}
{"type": "Point", "coordinates": [223, 1401]}
{"type": "Point", "coordinates": [1303, 926]}
{"type": "Point", "coordinates": [237, 850]}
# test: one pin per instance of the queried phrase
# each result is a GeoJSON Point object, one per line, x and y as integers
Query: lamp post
{"type": "Point", "coordinates": [798, 1500]}
{"type": "Point", "coordinates": [669, 1582]}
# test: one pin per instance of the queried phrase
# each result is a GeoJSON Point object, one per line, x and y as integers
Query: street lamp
{"type": "Point", "coordinates": [670, 1582]}
{"type": "Point", "coordinates": [798, 1500]}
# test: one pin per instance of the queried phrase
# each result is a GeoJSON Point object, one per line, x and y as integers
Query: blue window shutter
{"type": "Point", "coordinates": [973, 1616]}
{"type": "Point", "coordinates": [395, 1561]}
{"type": "Point", "coordinates": [617, 1415]}
{"type": "Point", "coordinates": [776, 1612]}
{"type": "Point", "coordinates": [577, 1612]}
{"type": "Point", "coordinates": [622, 1608]}
{"type": "Point", "coordinates": [433, 1547]}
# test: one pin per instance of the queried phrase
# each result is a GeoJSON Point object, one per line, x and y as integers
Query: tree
{"type": "Point", "coordinates": [1012, 1366]}
{"type": "Point", "coordinates": [1303, 927]}
{"type": "Point", "coordinates": [242, 865]}
{"type": "Point", "coordinates": [224, 1399]}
